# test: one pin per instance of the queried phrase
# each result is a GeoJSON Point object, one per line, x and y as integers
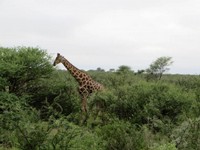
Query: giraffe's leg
{"type": "Point", "coordinates": [84, 104]}
{"type": "Point", "coordinates": [84, 115]}
{"type": "Point", "coordinates": [84, 94]}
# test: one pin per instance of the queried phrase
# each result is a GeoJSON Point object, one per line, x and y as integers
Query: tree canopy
{"type": "Point", "coordinates": [159, 66]}
{"type": "Point", "coordinates": [19, 66]}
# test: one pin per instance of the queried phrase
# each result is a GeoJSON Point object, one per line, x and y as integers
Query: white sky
{"type": "Point", "coordinates": [107, 33]}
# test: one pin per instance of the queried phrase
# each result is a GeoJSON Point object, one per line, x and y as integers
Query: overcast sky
{"type": "Point", "coordinates": [107, 33]}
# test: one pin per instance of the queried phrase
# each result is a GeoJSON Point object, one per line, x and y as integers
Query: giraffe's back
{"type": "Point", "coordinates": [92, 86]}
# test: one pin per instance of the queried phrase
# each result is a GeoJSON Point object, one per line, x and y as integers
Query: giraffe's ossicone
{"type": "Point", "coordinates": [86, 84]}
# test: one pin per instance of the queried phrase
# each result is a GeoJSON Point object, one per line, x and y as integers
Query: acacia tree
{"type": "Point", "coordinates": [22, 65]}
{"type": "Point", "coordinates": [123, 70]}
{"type": "Point", "coordinates": [158, 67]}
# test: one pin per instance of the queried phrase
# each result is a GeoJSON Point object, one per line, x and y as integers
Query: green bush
{"type": "Point", "coordinates": [187, 135]}
{"type": "Point", "coordinates": [121, 135]}
{"type": "Point", "coordinates": [160, 105]}
{"type": "Point", "coordinates": [58, 92]}
{"type": "Point", "coordinates": [22, 128]}
{"type": "Point", "coordinates": [17, 119]}
{"type": "Point", "coordinates": [20, 66]}
{"type": "Point", "coordinates": [168, 146]}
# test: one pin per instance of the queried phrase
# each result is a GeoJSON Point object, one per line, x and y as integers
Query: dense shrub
{"type": "Point", "coordinates": [20, 66]}
{"type": "Point", "coordinates": [16, 117]}
{"type": "Point", "coordinates": [40, 108]}
{"type": "Point", "coordinates": [59, 91]}
{"type": "Point", "coordinates": [122, 135]}
{"type": "Point", "coordinates": [167, 146]}
{"type": "Point", "coordinates": [22, 127]}
{"type": "Point", "coordinates": [187, 134]}
{"type": "Point", "coordinates": [145, 101]}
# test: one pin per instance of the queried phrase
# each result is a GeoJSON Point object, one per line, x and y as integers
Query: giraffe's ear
{"type": "Point", "coordinates": [58, 54]}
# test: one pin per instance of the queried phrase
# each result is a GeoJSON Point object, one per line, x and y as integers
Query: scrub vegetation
{"type": "Point", "coordinates": [143, 110]}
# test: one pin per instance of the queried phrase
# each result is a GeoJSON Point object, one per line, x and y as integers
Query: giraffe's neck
{"type": "Point", "coordinates": [75, 72]}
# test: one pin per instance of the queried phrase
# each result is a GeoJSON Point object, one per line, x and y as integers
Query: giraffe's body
{"type": "Point", "coordinates": [86, 84]}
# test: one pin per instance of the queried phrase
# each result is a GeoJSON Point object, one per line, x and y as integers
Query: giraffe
{"type": "Point", "coordinates": [87, 85]}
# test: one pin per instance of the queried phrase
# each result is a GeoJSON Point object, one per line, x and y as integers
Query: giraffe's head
{"type": "Point", "coordinates": [58, 59]}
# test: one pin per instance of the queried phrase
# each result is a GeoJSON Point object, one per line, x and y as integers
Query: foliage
{"type": "Point", "coordinates": [60, 95]}
{"type": "Point", "coordinates": [23, 129]}
{"type": "Point", "coordinates": [158, 67]}
{"type": "Point", "coordinates": [167, 146]}
{"type": "Point", "coordinates": [15, 117]}
{"type": "Point", "coordinates": [123, 69]}
{"type": "Point", "coordinates": [21, 66]}
{"type": "Point", "coordinates": [157, 103]}
{"type": "Point", "coordinates": [40, 107]}
{"type": "Point", "coordinates": [187, 135]}
{"type": "Point", "coordinates": [122, 135]}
